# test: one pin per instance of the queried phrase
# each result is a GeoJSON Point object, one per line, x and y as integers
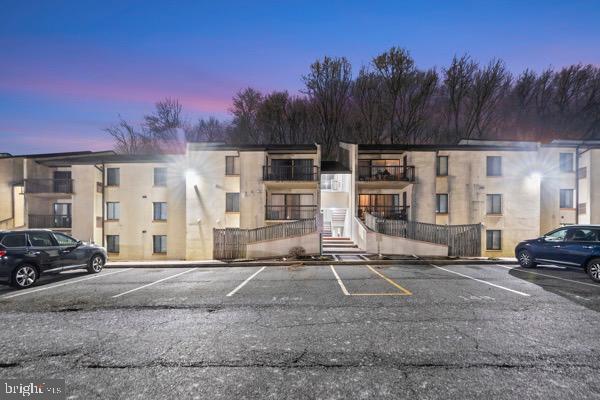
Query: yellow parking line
{"type": "Point", "coordinates": [405, 291]}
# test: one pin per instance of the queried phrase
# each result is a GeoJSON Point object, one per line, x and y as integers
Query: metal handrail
{"type": "Point", "coordinates": [386, 173]}
{"type": "Point", "coordinates": [290, 173]}
{"type": "Point", "coordinates": [36, 185]}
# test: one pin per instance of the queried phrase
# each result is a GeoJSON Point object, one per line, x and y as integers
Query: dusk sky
{"type": "Point", "coordinates": [68, 69]}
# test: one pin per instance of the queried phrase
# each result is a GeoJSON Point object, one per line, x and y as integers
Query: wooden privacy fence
{"type": "Point", "coordinates": [462, 240]}
{"type": "Point", "coordinates": [230, 243]}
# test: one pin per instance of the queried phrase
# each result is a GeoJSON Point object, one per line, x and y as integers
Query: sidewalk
{"type": "Point", "coordinates": [276, 263]}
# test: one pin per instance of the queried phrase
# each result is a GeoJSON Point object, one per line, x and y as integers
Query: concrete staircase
{"type": "Point", "coordinates": [340, 245]}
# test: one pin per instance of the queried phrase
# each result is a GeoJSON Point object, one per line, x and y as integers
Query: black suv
{"type": "Point", "coordinates": [24, 255]}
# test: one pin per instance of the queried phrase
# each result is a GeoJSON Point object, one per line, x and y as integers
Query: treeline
{"type": "Point", "coordinates": [392, 101]}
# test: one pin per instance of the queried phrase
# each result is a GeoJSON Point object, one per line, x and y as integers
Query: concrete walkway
{"type": "Point", "coordinates": [276, 263]}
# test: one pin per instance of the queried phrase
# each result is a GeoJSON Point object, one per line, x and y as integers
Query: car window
{"type": "Point", "coordinates": [64, 240]}
{"type": "Point", "coordinates": [40, 239]}
{"type": "Point", "coordinates": [580, 235]}
{"type": "Point", "coordinates": [14, 240]}
{"type": "Point", "coordinates": [556, 236]}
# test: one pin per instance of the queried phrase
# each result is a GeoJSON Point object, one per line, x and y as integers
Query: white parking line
{"type": "Point", "coordinates": [482, 281]}
{"type": "Point", "coordinates": [153, 283]}
{"type": "Point", "coordinates": [344, 290]}
{"type": "Point", "coordinates": [21, 293]}
{"type": "Point", "coordinates": [549, 276]}
{"type": "Point", "coordinates": [241, 285]}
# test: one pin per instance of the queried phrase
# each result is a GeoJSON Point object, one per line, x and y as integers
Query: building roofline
{"type": "Point", "coordinates": [196, 146]}
{"type": "Point", "coordinates": [60, 155]}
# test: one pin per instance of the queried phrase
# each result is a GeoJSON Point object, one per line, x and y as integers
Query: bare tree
{"type": "Point", "coordinates": [207, 130]}
{"type": "Point", "coordinates": [458, 83]}
{"type": "Point", "coordinates": [245, 106]}
{"type": "Point", "coordinates": [368, 98]}
{"type": "Point", "coordinates": [328, 87]}
{"type": "Point", "coordinates": [128, 140]}
{"type": "Point", "coordinates": [395, 67]}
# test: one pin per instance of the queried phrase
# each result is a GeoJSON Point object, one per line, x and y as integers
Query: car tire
{"type": "Point", "coordinates": [24, 276]}
{"type": "Point", "coordinates": [526, 259]}
{"type": "Point", "coordinates": [593, 269]}
{"type": "Point", "coordinates": [95, 264]}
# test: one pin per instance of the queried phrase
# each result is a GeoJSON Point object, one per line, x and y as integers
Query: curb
{"type": "Point", "coordinates": [315, 263]}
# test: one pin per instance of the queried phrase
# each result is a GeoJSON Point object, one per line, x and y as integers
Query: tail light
{"type": "Point", "coordinates": [2, 253]}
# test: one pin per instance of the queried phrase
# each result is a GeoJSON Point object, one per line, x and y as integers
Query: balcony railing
{"type": "Point", "coordinates": [289, 212]}
{"type": "Point", "coordinates": [48, 185]}
{"type": "Point", "coordinates": [290, 173]}
{"type": "Point", "coordinates": [49, 221]}
{"type": "Point", "coordinates": [389, 173]}
{"type": "Point", "coordinates": [388, 212]}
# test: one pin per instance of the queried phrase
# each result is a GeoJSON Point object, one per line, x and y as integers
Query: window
{"type": "Point", "coordinates": [442, 166]}
{"type": "Point", "coordinates": [113, 210]}
{"type": "Point", "coordinates": [112, 243]}
{"type": "Point", "coordinates": [232, 165]}
{"type": "Point", "coordinates": [160, 176]}
{"type": "Point", "coordinates": [160, 211]}
{"type": "Point", "coordinates": [14, 240]}
{"type": "Point", "coordinates": [159, 243]}
{"type": "Point", "coordinates": [580, 235]}
{"type": "Point", "coordinates": [494, 240]}
{"type": "Point", "coordinates": [113, 177]}
{"type": "Point", "coordinates": [566, 198]}
{"type": "Point", "coordinates": [582, 173]}
{"type": "Point", "coordinates": [566, 162]}
{"type": "Point", "coordinates": [41, 239]}
{"type": "Point", "coordinates": [64, 240]}
{"type": "Point", "coordinates": [441, 203]}
{"type": "Point", "coordinates": [494, 166]}
{"type": "Point", "coordinates": [290, 206]}
{"type": "Point", "coordinates": [62, 208]}
{"type": "Point", "coordinates": [232, 202]}
{"type": "Point", "coordinates": [494, 204]}
{"type": "Point", "coordinates": [556, 236]}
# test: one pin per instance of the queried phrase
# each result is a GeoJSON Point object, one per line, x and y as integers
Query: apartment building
{"type": "Point", "coordinates": [166, 206]}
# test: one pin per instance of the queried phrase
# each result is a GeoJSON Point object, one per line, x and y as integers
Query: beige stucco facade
{"type": "Point", "coordinates": [221, 186]}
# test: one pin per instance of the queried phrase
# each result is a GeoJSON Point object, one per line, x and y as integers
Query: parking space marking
{"type": "Point", "coordinates": [482, 281]}
{"type": "Point", "coordinates": [153, 283]}
{"type": "Point", "coordinates": [549, 276]}
{"type": "Point", "coordinates": [403, 290]}
{"type": "Point", "coordinates": [339, 281]}
{"type": "Point", "coordinates": [241, 285]}
{"type": "Point", "coordinates": [21, 293]}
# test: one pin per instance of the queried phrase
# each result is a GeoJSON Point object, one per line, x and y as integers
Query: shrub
{"type": "Point", "coordinates": [297, 252]}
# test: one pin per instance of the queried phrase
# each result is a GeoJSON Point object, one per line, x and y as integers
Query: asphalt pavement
{"type": "Point", "coordinates": [304, 332]}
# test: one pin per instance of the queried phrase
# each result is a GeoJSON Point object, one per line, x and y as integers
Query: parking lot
{"type": "Point", "coordinates": [424, 331]}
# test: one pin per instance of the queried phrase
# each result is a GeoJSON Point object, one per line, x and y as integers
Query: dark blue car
{"type": "Point", "coordinates": [574, 246]}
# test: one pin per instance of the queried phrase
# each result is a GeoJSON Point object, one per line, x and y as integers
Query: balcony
{"type": "Point", "coordinates": [279, 213]}
{"type": "Point", "coordinates": [291, 173]}
{"type": "Point", "coordinates": [49, 221]}
{"type": "Point", "coordinates": [395, 173]}
{"type": "Point", "coordinates": [60, 186]}
{"type": "Point", "coordinates": [388, 212]}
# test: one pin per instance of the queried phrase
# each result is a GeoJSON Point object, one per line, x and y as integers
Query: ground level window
{"type": "Point", "coordinates": [494, 240]}
{"type": "Point", "coordinates": [112, 243]}
{"type": "Point", "coordinates": [160, 243]}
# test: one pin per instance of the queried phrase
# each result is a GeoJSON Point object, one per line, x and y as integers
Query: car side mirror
{"type": "Point", "coordinates": [542, 239]}
{"type": "Point", "coordinates": [79, 243]}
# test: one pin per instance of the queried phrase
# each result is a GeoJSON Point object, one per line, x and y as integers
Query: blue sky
{"type": "Point", "coordinates": [68, 69]}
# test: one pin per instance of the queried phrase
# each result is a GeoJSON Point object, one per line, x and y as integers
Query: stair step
{"type": "Point", "coordinates": [337, 238]}
{"type": "Point", "coordinates": [335, 246]}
